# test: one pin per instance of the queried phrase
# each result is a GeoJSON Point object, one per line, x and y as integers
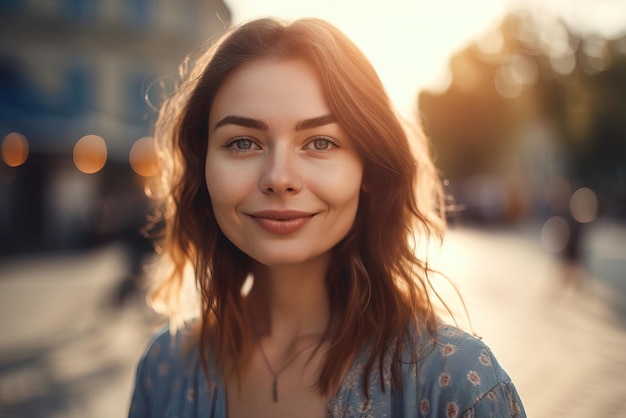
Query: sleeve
{"type": "Point", "coordinates": [461, 378]}
{"type": "Point", "coordinates": [492, 391]}
{"type": "Point", "coordinates": [501, 401]}
{"type": "Point", "coordinates": [140, 401]}
{"type": "Point", "coordinates": [151, 385]}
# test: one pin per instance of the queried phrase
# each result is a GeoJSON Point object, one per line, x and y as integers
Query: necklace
{"type": "Point", "coordinates": [275, 374]}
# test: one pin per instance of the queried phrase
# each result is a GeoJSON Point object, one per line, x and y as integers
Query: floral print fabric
{"type": "Point", "coordinates": [456, 377]}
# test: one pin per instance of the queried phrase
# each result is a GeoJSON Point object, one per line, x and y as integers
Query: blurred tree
{"type": "Point", "coordinates": [604, 163]}
{"type": "Point", "coordinates": [532, 72]}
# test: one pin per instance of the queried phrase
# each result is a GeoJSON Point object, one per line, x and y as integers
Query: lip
{"type": "Point", "coordinates": [281, 222]}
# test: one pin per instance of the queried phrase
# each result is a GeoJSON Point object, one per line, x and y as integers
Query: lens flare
{"type": "Point", "coordinates": [14, 149]}
{"type": "Point", "coordinates": [142, 157]}
{"type": "Point", "coordinates": [90, 154]}
{"type": "Point", "coordinates": [584, 205]}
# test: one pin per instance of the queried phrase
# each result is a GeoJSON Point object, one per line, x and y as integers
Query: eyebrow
{"type": "Point", "coordinates": [315, 122]}
{"type": "Point", "coordinates": [242, 121]}
{"type": "Point", "coordinates": [263, 126]}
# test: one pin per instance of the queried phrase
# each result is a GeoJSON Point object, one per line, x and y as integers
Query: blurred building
{"type": "Point", "coordinates": [76, 68]}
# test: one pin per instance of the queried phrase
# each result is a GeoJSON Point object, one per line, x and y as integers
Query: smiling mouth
{"type": "Point", "coordinates": [282, 223]}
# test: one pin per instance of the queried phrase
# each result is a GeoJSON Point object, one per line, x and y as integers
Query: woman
{"type": "Point", "coordinates": [286, 168]}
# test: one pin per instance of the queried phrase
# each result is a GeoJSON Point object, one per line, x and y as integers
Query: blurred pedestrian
{"type": "Point", "coordinates": [293, 190]}
{"type": "Point", "coordinates": [566, 233]}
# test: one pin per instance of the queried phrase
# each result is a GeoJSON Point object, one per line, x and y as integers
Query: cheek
{"type": "Point", "coordinates": [352, 177]}
{"type": "Point", "coordinates": [222, 177]}
{"type": "Point", "coordinates": [341, 189]}
{"type": "Point", "coordinates": [221, 186]}
{"type": "Point", "coordinates": [224, 205]}
{"type": "Point", "coordinates": [229, 186]}
{"type": "Point", "coordinates": [353, 190]}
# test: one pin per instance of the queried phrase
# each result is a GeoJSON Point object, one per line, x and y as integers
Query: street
{"type": "Point", "coordinates": [68, 347]}
{"type": "Point", "coordinates": [563, 343]}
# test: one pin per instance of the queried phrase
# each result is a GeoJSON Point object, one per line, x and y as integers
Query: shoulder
{"type": "Point", "coordinates": [457, 354]}
{"type": "Point", "coordinates": [165, 348]}
{"type": "Point", "coordinates": [446, 374]}
{"type": "Point", "coordinates": [457, 373]}
{"type": "Point", "coordinates": [168, 369]}
{"type": "Point", "coordinates": [153, 375]}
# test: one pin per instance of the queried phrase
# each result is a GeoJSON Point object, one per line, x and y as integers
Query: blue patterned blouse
{"type": "Point", "coordinates": [457, 377]}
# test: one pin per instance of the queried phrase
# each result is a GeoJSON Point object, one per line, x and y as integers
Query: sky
{"type": "Point", "coordinates": [410, 41]}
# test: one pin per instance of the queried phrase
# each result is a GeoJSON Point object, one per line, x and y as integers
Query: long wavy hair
{"type": "Point", "coordinates": [377, 286]}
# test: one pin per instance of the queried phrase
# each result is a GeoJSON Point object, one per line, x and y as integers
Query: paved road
{"type": "Point", "coordinates": [66, 351]}
{"type": "Point", "coordinates": [563, 345]}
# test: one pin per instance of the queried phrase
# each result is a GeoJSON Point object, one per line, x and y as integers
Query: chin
{"type": "Point", "coordinates": [284, 259]}
{"type": "Point", "coordinates": [280, 261]}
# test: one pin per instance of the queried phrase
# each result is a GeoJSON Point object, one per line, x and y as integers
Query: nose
{"type": "Point", "coordinates": [281, 174]}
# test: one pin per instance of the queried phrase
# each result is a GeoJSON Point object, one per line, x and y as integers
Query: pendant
{"type": "Point", "coordinates": [275, 390]}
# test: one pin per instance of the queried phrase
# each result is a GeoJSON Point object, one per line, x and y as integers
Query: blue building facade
{"type": "Point", "coordinates": [70, 68]}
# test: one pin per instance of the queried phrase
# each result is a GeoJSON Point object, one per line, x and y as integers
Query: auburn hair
{"type": "Point", "coordinates": [377, 286]}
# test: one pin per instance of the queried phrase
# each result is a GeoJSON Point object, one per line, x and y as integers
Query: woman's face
{"type": "Point", "coordinates": [283, 177]}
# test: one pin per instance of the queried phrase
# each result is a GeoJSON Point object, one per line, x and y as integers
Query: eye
{"type": "Point", "coordinates": [241, 145]}
{"type": "Point", "coordinates": [322, 143]}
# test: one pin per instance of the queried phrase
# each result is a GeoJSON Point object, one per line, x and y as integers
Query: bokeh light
{"type": "Point", "coordinates": [505, 85]}
{"type": "Point", "coordinates": [594, 56]}
{"type": "Point", "coordinates": [142, 157]}
{"type": "Point", "coordinates": [555, 234]}
{"type": "Point", "coordinates": [90, 154]}
{"type": "Point", "coordinates": [584, 205]}
{"type": "Point", "coordinates": [563, 64]}
{"type": "Point", "coordinates": [491, 44]}
{"type": "Point", "coordinates": [515, 73]}
{"type": "Point", "coordinates": [523, 70]}
{"type": "Point", "coordinates": [14, 149]}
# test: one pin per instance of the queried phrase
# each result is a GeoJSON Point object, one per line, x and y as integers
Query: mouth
{"type": "Point", "coordinates": [281, 222]}
{"type": "Point", "coordinates": [281, 215]}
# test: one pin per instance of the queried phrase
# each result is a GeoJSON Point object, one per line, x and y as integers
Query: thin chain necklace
{"type": "Point", "coordinates": [275, 374]}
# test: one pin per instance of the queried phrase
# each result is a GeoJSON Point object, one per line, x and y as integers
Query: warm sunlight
{"type": "Point", "coordinates": [410, 41]}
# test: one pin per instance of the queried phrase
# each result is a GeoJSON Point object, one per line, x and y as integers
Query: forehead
{"type": "Point", "coordinates": [271, 88]}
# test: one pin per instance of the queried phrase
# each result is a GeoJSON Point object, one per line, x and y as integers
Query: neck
{"type": "Point", "coordinates": [290, 302]}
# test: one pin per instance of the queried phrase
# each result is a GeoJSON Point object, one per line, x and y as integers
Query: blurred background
{"type": "Point", "coordinates": [525, 105]}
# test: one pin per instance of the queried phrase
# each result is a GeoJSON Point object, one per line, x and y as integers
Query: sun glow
{"type": "Point", "coordinates": [410, 41]}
